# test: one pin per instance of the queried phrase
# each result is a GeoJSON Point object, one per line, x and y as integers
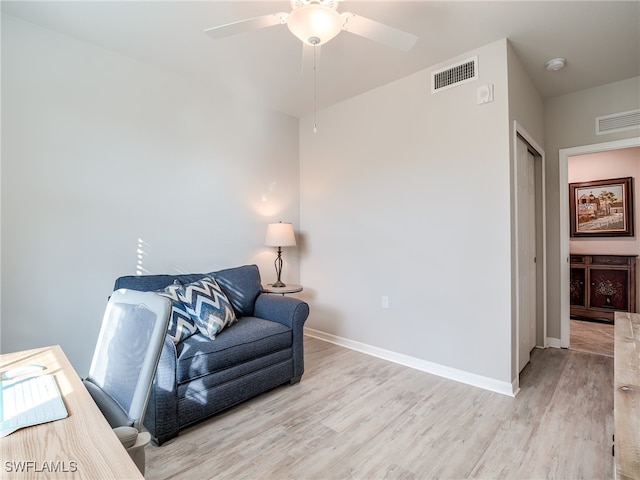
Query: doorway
{"type": "Point", "coordinates": [530, 252]}
{"type": "Point", "coordinates": [564, 154]}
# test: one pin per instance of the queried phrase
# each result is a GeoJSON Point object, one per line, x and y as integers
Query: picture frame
{"type": "Point", "coordinates": [602, 208]}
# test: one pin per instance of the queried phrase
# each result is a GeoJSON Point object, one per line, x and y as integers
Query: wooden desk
{"type": "Point", "coordinates": [80, 446]}
{"type": "Point", "coordinates": [626, 398]}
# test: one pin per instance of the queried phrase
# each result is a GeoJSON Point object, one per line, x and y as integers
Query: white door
{"type": "Point", "coordinates": [526, 206]}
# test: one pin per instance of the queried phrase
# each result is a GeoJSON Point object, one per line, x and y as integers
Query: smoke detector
{"type": "Point", "coordinates": [555, 64]}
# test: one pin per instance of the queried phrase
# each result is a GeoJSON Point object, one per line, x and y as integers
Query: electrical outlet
{"type": "Point", "coordinates": [385, 302]}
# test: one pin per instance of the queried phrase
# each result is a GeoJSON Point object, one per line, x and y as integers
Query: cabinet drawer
{"type": "Point", "coordinates": [577, 259]}
{"type": "Point", "coordinates": [610, 260]}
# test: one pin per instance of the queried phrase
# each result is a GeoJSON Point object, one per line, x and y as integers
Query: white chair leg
{"type": "Point", "coordinates": [135, 443]}
{"type": "Point", "coordinates": [136, 451]}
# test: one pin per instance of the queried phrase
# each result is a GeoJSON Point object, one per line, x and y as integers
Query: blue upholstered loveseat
{"type": "Point", "coordinates": [199, 377]}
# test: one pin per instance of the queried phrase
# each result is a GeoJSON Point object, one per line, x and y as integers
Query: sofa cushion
{"type": "Point", "coordinates": [153, 283]}
{"type": "Point", "coordinates": [241, 285]}
{"type": "Point", "coordinates": [248, 339]}
{"type": "Point", "coordinates": [207, 305]}
{"type": "Point", "coordinates": [181, 325]}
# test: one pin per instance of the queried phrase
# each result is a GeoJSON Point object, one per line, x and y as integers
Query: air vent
{"type": "Point", "coordinates": [454, 75]}
{"type": "Point", "coordinates": [618, 122]}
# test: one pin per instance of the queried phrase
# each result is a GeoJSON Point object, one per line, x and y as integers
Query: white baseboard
{"type": "Point", "coordinates": [554, 342]}
{"type": "Point", "coordinates": [504, 388]}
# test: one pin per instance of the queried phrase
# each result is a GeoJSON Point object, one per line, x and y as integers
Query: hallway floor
{"type": "Point", "coordinates": [591, 337]}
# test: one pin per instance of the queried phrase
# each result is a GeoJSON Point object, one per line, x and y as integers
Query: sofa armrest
{"type": "Point", "coordinates": [291, 312]}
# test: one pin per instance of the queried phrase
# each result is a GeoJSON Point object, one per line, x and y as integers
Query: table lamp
{"type": "Point", "coordinates": [279, 235]}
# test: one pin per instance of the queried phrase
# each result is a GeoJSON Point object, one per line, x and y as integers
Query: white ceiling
{"type": "Point", "coordinates": [599, 39]}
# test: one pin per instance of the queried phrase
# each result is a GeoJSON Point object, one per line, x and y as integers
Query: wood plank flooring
{"type": "Point", "coordinates": [591, 337]}
{"type": "Point", "coordinates": [354, 416]}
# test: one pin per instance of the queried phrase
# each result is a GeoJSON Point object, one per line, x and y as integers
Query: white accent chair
{"type": "Point", "coordinates": [125, 361]}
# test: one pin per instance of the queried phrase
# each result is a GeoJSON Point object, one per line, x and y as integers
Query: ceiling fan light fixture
{"type": "Point", "coordinates": [314, 24]}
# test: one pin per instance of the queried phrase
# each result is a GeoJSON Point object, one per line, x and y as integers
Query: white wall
{"type": "Point", "coordinates": [570, 122]}
{"type": "Point", "coordinates": [406, 194]}
{"type": "Point", "coordinates": [600, 166]}
{"type": "Point", "coordinates": [525, 102]}
{"type": "Point", "coordinates": [525, 108]}
{"type": "Point", "coordinates": [102, 154]}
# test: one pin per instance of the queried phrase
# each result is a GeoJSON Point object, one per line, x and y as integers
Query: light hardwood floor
{"type": "Point", "coordinates": [354, 416]}
{"type": "Point", "coordinates": [591, 337]}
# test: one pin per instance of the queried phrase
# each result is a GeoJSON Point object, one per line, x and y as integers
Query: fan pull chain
{"type": "Point", "coordinates": [315, 92]}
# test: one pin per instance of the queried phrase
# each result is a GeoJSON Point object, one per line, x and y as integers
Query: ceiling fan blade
{"type": "Point", "coordinates": [247, 25]}
{"type": "Point", "coordinates": [310, 57]}
{"type": "Point", "coordinates": [378, 32]}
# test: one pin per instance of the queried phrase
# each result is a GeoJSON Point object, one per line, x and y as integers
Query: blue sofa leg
{"type": "Point", "coordinates": [163, 438]}
{"type": "Point", "coordinates": [295, 380]}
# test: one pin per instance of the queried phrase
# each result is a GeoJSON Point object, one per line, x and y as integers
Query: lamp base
{"type": "Point", "coordinates": [278, 265]}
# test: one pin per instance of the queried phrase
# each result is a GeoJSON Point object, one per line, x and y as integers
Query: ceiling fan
{"type": "Point", "coordinates": [315, 22]}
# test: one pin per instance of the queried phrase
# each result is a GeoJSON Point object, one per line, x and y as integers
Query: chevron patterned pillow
{"type": "Point", "coordinates": [208, 306]}
{"type": "Point", "coordinates": [181, 326]}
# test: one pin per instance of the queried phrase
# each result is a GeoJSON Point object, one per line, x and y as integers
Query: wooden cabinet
{"type": "Point", "coordinates": [601, 285]}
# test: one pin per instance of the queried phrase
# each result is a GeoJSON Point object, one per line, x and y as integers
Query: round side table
{"type": "Point", "coordinates": [290, 288]}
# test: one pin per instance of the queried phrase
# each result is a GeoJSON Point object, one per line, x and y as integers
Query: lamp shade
{"type": "Point", "coordinates": [314, 24]}
{"type": "Point", "coordinates": [280, 235]}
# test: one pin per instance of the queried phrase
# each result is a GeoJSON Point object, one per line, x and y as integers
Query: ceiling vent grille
{"type": "Point", "coordinates": [618, 122]}
{"type": "Point", "coordinates": [454, 75]}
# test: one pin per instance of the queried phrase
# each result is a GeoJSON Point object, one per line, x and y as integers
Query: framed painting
{"type": "Point", "coordinates": [602, 208]}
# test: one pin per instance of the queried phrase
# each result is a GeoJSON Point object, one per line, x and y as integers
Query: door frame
{"type": "Point", "coordinates": [563, 180]}
{"type": "Point", "coordinates": [541, 251]}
